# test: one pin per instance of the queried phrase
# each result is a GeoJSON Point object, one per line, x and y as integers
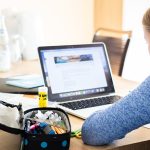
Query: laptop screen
{"type": "Point", "coordinates": [76, 71]}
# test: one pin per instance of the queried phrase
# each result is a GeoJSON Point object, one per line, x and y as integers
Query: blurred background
{"type": "Point", "coordinates": [33, 23]}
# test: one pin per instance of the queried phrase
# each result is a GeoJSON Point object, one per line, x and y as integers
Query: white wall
{"type": "Point", "coordinates": [137, 65]}
{"type": "Point", "coordinates": [63, 21]}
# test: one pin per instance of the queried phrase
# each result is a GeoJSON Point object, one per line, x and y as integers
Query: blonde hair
{"type": "Point", "coordinates": [146, 20]}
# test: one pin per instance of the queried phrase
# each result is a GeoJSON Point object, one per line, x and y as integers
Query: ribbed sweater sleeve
{"type": "Point", "coordinates": [129, 113]}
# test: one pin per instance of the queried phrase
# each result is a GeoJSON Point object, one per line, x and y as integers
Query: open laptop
{"type": "Point", "coordinates": [78, 77]}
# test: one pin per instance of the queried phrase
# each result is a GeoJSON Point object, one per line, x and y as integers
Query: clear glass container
{"type": "Point", "coordinates": [5, 58]}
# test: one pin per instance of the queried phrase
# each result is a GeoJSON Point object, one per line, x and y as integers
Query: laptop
{"type": "Point", "coordinates": [78, 77]}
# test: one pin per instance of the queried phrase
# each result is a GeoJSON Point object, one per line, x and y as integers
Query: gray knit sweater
{"type": "Point", "coordinates": [129, 113]}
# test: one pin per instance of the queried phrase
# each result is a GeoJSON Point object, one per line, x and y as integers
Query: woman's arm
{"type": "Point", "coordinates": [131, 112]}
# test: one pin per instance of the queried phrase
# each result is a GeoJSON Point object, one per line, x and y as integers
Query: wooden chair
{"type": "Point", "coordinates": [117, 43]}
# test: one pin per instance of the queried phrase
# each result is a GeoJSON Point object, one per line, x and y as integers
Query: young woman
{"type": "Point", "coordinates": [131, 112]}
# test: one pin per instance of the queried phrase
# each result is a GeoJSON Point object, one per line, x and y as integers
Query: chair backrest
{"type": "Point", "coordinates": [117, 43]}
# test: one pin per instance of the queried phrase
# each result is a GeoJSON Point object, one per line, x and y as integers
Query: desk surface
{"type": "Point", "coordinates": [136, 140]}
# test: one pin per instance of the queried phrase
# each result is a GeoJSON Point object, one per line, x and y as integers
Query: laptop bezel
{"type": "Point", "coordinates": [111, 88]}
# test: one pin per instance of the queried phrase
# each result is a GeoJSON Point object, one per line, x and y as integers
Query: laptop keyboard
{"type": "Point", "coordinates": [91, 102]}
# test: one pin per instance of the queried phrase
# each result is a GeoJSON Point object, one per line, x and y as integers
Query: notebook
{"type": "Point", "coordinates": [26, 81]}
{"type": "Point", "coordinates": [78, 77]}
